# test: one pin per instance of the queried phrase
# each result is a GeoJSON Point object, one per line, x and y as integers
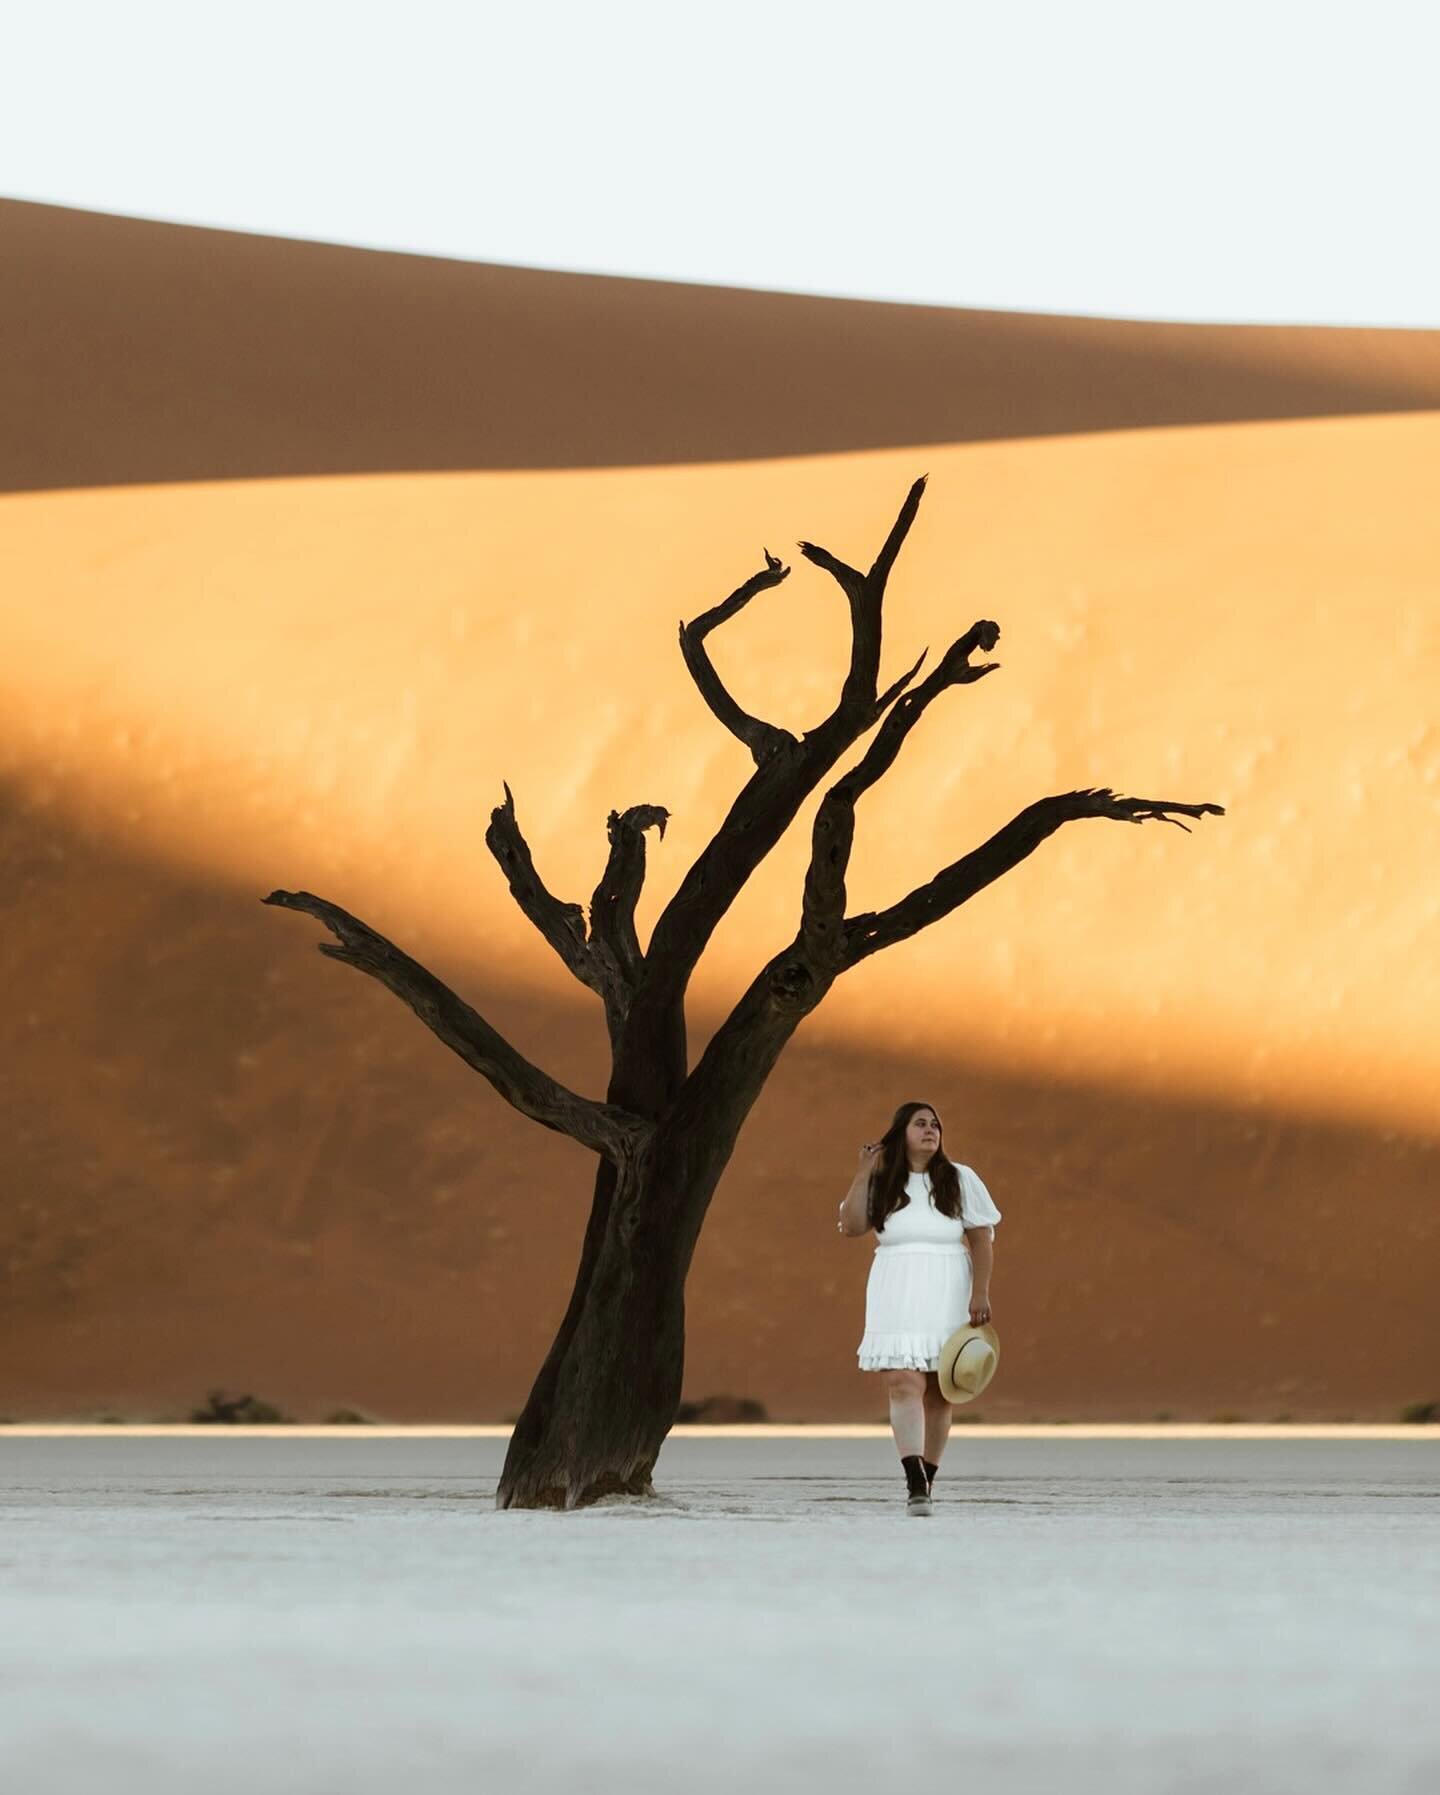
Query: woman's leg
{"type": "Point", "coordinates": [907, 1410]}
{"type": "Point", "coordinates": [936, 1413]}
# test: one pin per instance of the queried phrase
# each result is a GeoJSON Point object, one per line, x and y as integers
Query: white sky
{"type": "Point", "coordinates": [1268, 161]}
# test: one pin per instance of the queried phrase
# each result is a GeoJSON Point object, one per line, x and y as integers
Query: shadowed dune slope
{"type": "Point", "coordinates": [230, 1163]}
{"type": "Point", "coordinates": [137, 352]}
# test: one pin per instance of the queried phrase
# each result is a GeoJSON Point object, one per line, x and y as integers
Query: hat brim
{"type": "Point", "coordinates": [951, 1351]}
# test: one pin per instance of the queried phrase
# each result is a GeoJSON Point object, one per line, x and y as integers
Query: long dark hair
{"type": "Point", "coordinates": [887, 1181]}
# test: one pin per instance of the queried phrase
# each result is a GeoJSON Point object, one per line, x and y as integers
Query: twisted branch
{"type": "Point", "coordinates": [612, 908]}
{"type": "Point", "coordinates": [761, 738]}
{"type": "Point", "coordinates": [736, 1061]}
{"type": "Point", "coordinates": [866, 595]}
{"type": "Point", "coordinates": [833, 833]}
{"type": "Point", "coordinates": [782, 781]}
{"type": "Point", "coordinates": [608, 960]}
{"type": "Point", "coordinates": [955, 884]}
{"type": "Point", "coordinates": [602, 1127]}
{"type": "Point", "coordinates": [562, 925]}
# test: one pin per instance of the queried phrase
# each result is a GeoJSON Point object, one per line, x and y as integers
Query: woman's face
{"type": "Point", "coordinates": [922, 1134]}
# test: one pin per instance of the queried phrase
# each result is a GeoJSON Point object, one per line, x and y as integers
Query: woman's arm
{"type": "Point", "coordinates": [981, 1242]}
{"type": "Point", "coordinates": [855, 1209]}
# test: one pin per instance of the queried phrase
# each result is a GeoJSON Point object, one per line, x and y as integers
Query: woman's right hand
{"type": "Point", "coordinates": [870, 1155]}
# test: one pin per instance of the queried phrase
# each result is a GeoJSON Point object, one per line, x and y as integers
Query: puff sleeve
{"type": "Point", "coordinates": [977, 1210]}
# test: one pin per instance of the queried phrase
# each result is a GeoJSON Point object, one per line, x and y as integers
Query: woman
{"type": "Point", "coordinates": [935, 1228]}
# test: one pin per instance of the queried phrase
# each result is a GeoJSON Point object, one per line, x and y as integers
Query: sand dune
{"type": "Point", "coordinates": [1196, 1070]}
{"type": "Point", "coordinates": [141, 352]}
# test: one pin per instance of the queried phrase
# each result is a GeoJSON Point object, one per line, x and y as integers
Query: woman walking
{"type": "Point", "coordinates": [935, 1228]}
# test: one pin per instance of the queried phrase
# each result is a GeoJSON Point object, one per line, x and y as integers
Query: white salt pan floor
{"type": "Point", "coordinates": [313, 1616]}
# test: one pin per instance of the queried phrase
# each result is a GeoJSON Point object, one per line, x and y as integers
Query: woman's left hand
{"type": "Point", "coordinates": [979, 1311]}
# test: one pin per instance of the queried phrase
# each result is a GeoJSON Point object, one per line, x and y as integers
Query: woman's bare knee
{"type": "Point", "coordinates": [905, 1383]}
{"type": "Point", "coordinates": [935, 1398]}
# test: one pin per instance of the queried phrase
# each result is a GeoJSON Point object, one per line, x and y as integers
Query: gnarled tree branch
{"type": "Point", "coordinates": [899, 530]}
{"type": "Point", "coordinates": [893, 691]}
{"type": "Point", "coordinates": [766, 806]}
{"type": "Point", "coordinates": [761, 738]}
{"type": "Point", "coordinates": [737, 1060]}
{"type": "Point", "coordinates": [833, 834]}
{"type": "Point", "coordinates": [867, 934]}
{"type": "Point", "coordinates": [562, 925]}
{"type": "Point", "coordinates": [612, 908]}
{"type": "Point", "coordinates": [866, 593]}
{"type": "Point", "coordinates": [603, 1127]}
{"type": "Point", "coordinates": [609, 960]}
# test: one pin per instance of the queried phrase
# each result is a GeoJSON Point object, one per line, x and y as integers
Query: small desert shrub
{"type": "Point", "coordinates": [714, 1410]}
{"type": "Point", "coordinates": [1420, 1412]}
{"type": "Point", "coordinates": [349, 1418]}
{"type": "Point", "coordinates": [237, 1411]}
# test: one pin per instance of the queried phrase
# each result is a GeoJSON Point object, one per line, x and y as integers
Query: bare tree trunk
{"type": "Point", "coordinates": [609, 1388]}
{"type": "Point", "coordinates": [606, 1397]}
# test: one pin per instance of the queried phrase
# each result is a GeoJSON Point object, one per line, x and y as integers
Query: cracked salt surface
{"type": "Point", "coordinates": [309, 1616]}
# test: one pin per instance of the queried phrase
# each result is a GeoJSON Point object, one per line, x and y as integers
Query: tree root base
{"type": "Point", "coordinates": [565, 1496]}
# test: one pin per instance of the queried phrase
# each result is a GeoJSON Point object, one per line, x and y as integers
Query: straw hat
{"type": "Point", "coordinates": [967, 1362]}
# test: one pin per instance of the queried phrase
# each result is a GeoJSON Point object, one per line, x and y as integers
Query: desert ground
{"type": "Point", "coordinates": [1162, 1617]}
{"type": "Point", "coordinates": [305, 550]}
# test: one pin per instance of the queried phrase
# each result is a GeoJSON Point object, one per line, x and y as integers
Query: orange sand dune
{"type": "Point", "coordinates": [146, 352]}
{"type": "Point", "coordinates": [1197, 1071]}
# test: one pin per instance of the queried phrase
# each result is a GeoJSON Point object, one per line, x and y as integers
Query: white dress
{"type": "Point", "coordinates": [919, 1287]}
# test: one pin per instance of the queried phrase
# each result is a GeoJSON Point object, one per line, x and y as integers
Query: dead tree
{"type": "Point", "coordinates": [607, 1394]}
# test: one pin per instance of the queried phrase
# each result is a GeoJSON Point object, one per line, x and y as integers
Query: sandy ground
{"type": "Point", "coordinates": [352, 1614]}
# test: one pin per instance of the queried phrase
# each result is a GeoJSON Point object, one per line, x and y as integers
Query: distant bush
{"type": "Point", "coordinates": [348, 1418]}
{"type": "Point", "coordinates": [715, 1410]}
{"type": "Point", "coordinates": [237, 1411]}
{"type": "Point", "coordinates": [1420, 1411]}
{"type": "Point", "coordinates": [1226, 1418]}
{"type": "Point", "coordinates": [963, 1417]}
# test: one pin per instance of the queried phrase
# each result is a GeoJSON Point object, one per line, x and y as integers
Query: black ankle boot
{"type": "Point", "coordinates": [930, 1471]}
{"type": "Point", "coordinates": [915, 1479]}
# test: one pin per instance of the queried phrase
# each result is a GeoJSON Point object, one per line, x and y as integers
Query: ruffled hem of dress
{"type": "Point", "coordinates": [900, 1352]}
